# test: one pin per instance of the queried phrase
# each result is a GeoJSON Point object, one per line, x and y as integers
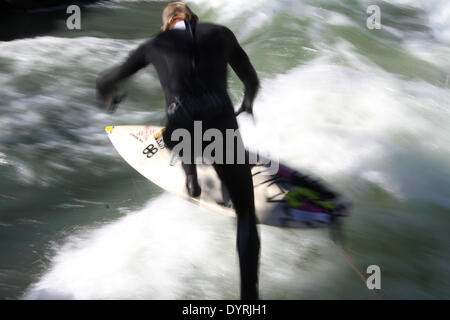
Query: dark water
{"type": "Point", "coordinates": [366, 110]}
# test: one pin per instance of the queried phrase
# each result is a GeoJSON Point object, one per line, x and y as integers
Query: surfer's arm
{"type": "Point", "coordinates": [241, 65]}
{"type": "Point", "coordinates": [107, 82]}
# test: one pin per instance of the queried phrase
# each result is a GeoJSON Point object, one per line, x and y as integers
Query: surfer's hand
{"type": "Point", "coordinates": [108, 99]}
{"type": "Point", "coordinates": [245, 107]}
{"type": "Point", "coordinates": [113, 102]}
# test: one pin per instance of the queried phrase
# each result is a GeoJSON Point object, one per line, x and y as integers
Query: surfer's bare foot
{"type": "Point", "coordinates": [192, 186]}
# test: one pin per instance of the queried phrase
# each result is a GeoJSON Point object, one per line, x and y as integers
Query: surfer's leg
{"type": "Point", "coordinates": [192, 185]}
{"type": "Point", "coordinates": [190, 169]}
{"type": "Point", "coordinates": [238, 181]}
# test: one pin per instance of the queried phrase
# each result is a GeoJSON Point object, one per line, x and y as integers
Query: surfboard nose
{"type": "Point", "coordinates": [109, 129]}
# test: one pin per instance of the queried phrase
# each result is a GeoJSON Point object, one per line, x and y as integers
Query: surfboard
{"type": "Point", "coordinates": [281, 199]}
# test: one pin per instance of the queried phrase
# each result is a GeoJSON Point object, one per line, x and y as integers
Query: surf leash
{"type": "Point", "coordinates": [358, 272]}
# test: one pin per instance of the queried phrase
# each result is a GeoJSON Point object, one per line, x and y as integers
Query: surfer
{"type": "Point", "coordinates": [191, 60]}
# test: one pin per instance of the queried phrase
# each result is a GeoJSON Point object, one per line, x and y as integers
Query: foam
{"type": "Point", "coordinates": [361, 123]}
{"type": "Point", "coordinates": [147, 254]}
{"type": "Point", "coordinates": [353, 123]}
{"type": "Point", "coordinates": [152, 253]}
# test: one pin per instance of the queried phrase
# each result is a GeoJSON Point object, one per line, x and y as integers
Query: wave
{"type": "Point", "coordinates": [359, 122]}
{"type": "Point", "coordinates": [49, 108]}
{"type": "Point", "coordinates": [154, 252]}
{"type": "Point", "coordinates": [334, 110]}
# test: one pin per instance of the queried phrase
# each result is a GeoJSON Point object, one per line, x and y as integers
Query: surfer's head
{"type": "Point", "coordinates": [174, 12]}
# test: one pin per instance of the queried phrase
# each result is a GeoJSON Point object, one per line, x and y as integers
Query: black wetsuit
{"type": "Point", "coordinates": [192, 68]}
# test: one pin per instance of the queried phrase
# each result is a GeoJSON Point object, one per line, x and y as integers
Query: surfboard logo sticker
{"type": "Point", "coordinates": [145, 133]}
{"type": "Point", "coordinates": [150, 151]}
{"type": "Point", "coordinates": [159, 139]}
{"type": "Point", "coordinates": [136, 137]}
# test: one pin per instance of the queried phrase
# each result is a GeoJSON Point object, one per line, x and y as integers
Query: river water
{"type": "Point", "coordinates": [365, 110]}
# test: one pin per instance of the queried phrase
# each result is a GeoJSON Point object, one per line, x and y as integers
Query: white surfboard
{"type": "Point", "coordinates": [143, 148]}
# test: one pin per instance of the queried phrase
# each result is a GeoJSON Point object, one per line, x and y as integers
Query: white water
{"type": "Point", "coordinates": [170, 249]}
{"type": "Point", "coordinates": [359, 125]}
{"type": "Point", "coordinates": [348, 125]}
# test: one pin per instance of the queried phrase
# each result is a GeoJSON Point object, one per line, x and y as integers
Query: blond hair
{"type": "Point", "coordinates": [176, 11]}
